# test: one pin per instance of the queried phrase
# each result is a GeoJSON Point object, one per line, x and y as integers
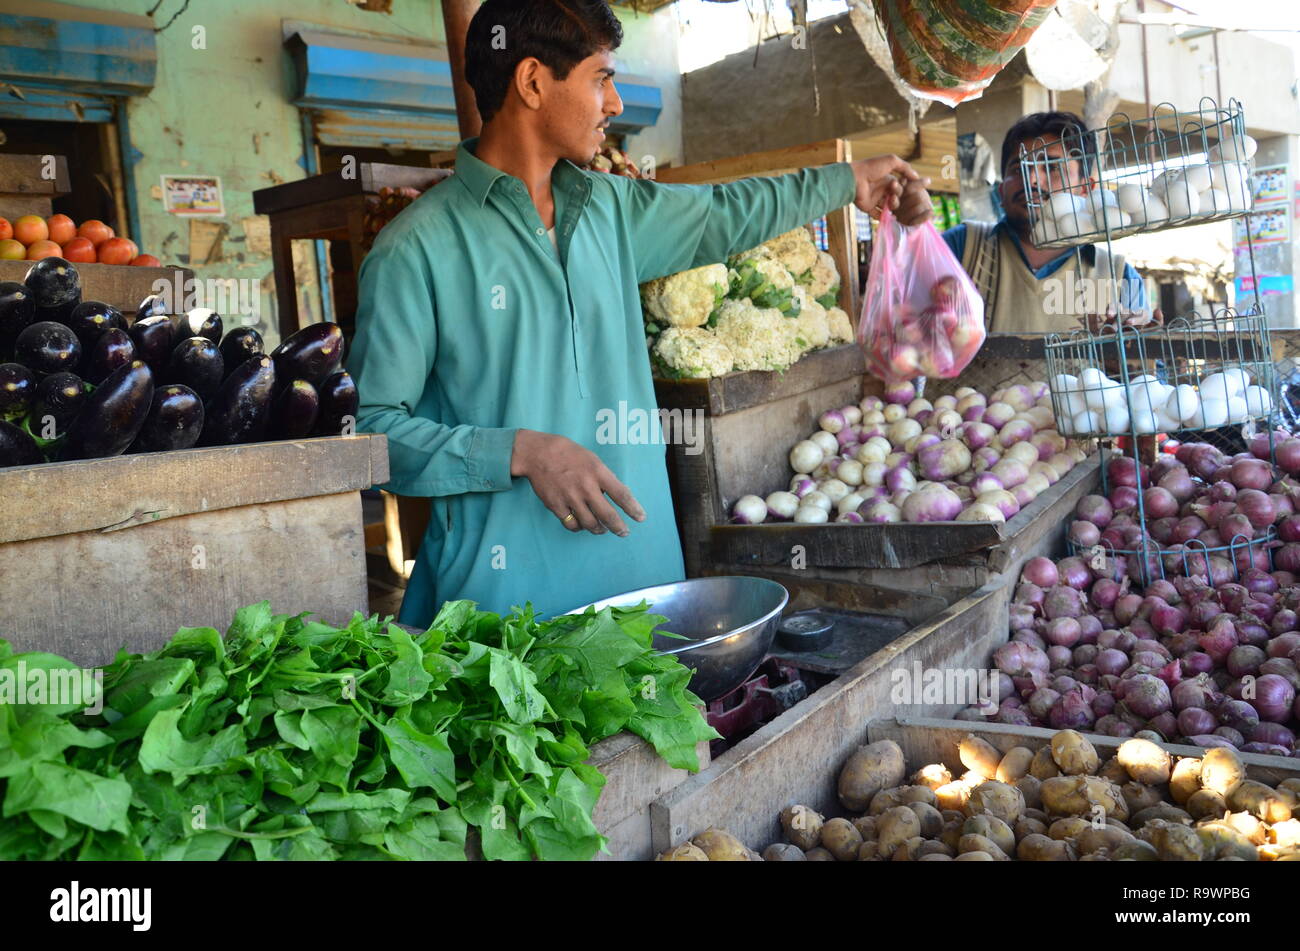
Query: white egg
{"type": "Point", "coordinates": [1214, 201]}
{"type": "Point", "coordinates": [1131, 198]}
{"type": "Point", "coordinates": [1115, 419]}
{"type": "Point", "coordinates": [1103, 196]}
{"type": "Point", "coordinates": [1233, 179]}
{"type": "Point", "coordinates": [1076, 226]}
{"type": "Point", "coordinates": [1085, 424]}
{"type": "Point", "coordinates": [1182, 200]}
{"type": "Point", "coordinates": [1091, 376]}
{"type": "Point", "coordinates": [1144, 421]}
{"type": "Point", "coordinates": [1221, 386]}
{"type": "Point", "coordinates": [1142, 378]}
{"type": "Point", "coordinates": [1147, 397]}
{"type": "Point", "coordinates": [1237, 410]}
{"type": "Point", "coordinates": [1166, 425]}
{"type": "Point", "coordinates": [1155, 211]}
{"type": "Point", "coordinates": [1197, 177]}
{"type": "Point", "coordinates": [1044, 233]}
{"type": "Point", "coordinates": [1258, 402]}
{"type": "Point", "coordinates": [1107, 393]}
{"type": "Point", "coordinates": [1064, 383]}
{"type": "Point", "coordinates": [1065, 205]}
{"type": "Point", "coordinates": [1213, 413]}
{"type": "Point", "coordinates": [1111, 216]}
{"type": "Point", "coordinates": [1183, 403]}
{"type": "Point", "coordinates": [1238, 377]}
{"type": "Point", "coordinates": [1125, 219]}
{"type": "Point", "coordinates": [1242, 149]}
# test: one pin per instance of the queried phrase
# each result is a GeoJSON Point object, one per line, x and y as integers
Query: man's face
{"type": "Point", "coordinates": [1046, 178]}
{"type": "Point", "coordinates": [576, 112]}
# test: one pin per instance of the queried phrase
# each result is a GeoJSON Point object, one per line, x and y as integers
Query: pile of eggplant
{"type": "Point", "coordinates": [78, 381]}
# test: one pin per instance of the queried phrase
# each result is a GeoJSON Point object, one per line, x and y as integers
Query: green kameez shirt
{"type": "Point", "coordinates": [470, 327]}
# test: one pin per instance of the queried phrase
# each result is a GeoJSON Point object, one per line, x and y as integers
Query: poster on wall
{"type": "Point", "coordinates": [193, 195]}
{"type": "Point", "coordinates": [1269, 183]}
{"type": "Point", "coordinates": [1269, 225]}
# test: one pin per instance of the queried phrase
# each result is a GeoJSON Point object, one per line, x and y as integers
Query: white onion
{"type": "Point", "coordinates": [849, 472]}
{"type": "Point", "coordinates": [817, 499]}
{"type": "Point", "coordinates": [782, 504]}
{"type": "Point", "coordinates": [852, 414]}
{"type": "Point", "coordinates": [849, 503]}
{"type": "Point", "coordinates": [811, 515]}
{"type": "Point", "coordinates": [870, 454]}
{"type": "Point", "coordinates": [873, 473]}
{"type": "Point", "coordinates": [833, 489]}
{"type": "Point", "coordinates": [981, 512]}
{"type": "Point", "coordinates": [1024, 452]}
{"type": "Point", "coordinates": [829, 445]}
{"type": "Point", "coordinates": [902, 430]}
{"type": "Point", "coordinates": [894, 412]}
{"type": "Point", "coordinates": [751, 510]}
{"type": "Point", "coordinates": [872, 417]}
{"type": "Point", "coordinates": [806, 456]}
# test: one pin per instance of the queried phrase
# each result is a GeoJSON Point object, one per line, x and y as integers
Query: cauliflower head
{"type": "Point", "coordinates": [812, 325]}
{"type": "Point", "coordinates": [824, 282]}
{"type": "Point", "coordinates": [759, 338]}
{"type": "Point", "coordinates": [685, 299]}
{"type": "Point", "coordinates": [795, 249]}
{"type": "Point", "coordinates": [760, 277]}
{"type": "Point", "coordinates": [840, 326]}
{"type": "Point", "coordinates": [692, 353]}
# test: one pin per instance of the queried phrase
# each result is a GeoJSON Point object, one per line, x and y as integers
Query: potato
{"type": "Point", "coordinates": [1081, 796]}
{"type": "Point", "coordinates": [923, 794]}
{"type": "Point", "coordinates": [972, 778]}
{"type": "Point", "coordinates": [978, 843]}
{"type": "Point", "coordinates": [686, 852]}
{"type": "Point", "coordinates": [1068, 827]}
{"type": "Point", "coordinates": [841, 839]}
{"type": "Point", "coordinates": [1185, 779]}
{"type": "Point", "coordinates": [1206, 803]}
{"type": "Point", "coordinates": [1073, 754]}
{"type": "Point", "coordinates": [931, 819]}
{"type": "Point", "coordinates": [909, 851]}
{"type": "Point", "coordinates": [869, 851]}
{"type": "Point", "coordinates": [1292, 785]}
{"type": "Point", "coordinates": [996, 799]}
{"type": "Point", "coordinates": [885, 799]}
{"type": "Point", "coordinates": [1221, 841]}
{"type": "Point", "coordinates": [1175, 843]}
{"type": "Point", "coordinates": [783, 852]}
{"type": "Point", "coordinates": [821, 855]}
{"type": "Point", "coordinates": [950, 814]}
{"type": "Point", "coordinates": [1042, 766]}
{"type": "Point", "coordinates": [895, 827]}
{"type": "Point", "coordinates": [721, 846]}
{"type": "Point", "coordinates": [1014, 764]}
{"type": "Point", "coordinates": [934, 776]}
{"type": "Point", "coordinates": [935, 857]}
{"type": "Point", "coordinates": [1260, 800]}
{"type": "Point", "coordinates": [1222, 771]}
{"type": "Point", "coordinates": [1145, 761]}
{"type": "Point", "coordinates": [951, 833]}
{"type": "Point", "coordinates": [1114, 770]}
{"type": "Point", "coordinates": [978, 755]}
{"type": "Point", "coordinates": [1101, 855]}
{"type": "Point", "coordinates": [953, 796]}
{"type": "Point", "coordinates": [1285, 834]}
{"type": "Point", "coordinates": [1092, 839]}
{"type": "Point", "coordinates": [936, 847]}
{"type": "Point", "coordinates": [1248, 825]}
{"type": "Point", "coordinates": [1027, 825]}
{"type": "Point", "coordinates": [1135, 850]}
{"type": "Point", "coordinates": [1031, 788]}
{"type": "Point", "coordinates": [866, 826]}
{"type": "Point", "coordinates": [802, 826]}
{"type": "Point", "coordinates": [1038, 814]}
{"type": "Point", "coordinates": [1137, 796]}
{"type": "Point", "coordinates": [1162, 812]}
{"type": "Point", "coordinates": [868, 770]}
{"type": "Point", "coordinates": [974, 857]}
{"type": "Point", "coordinates": [992, 828]}
{"type": "Point", "coordinates": [1039, 848]}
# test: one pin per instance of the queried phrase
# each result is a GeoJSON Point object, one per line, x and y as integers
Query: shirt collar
{"type": "Point", "coordinates": [1088, 251]}
{"type": "Point", "coordinates": [478, 176]}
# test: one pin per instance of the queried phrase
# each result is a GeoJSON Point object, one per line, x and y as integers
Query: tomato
{"type": "Point", "coordinates": [95, 230]}
{"type": "Point", "coordinates": [31, 228]}
{"type": "Point", "coordinates": [43, 249]}
{"type": "Point", "coordinates": [6, 229]}
{"type": "Point", "coordinates": [135, 248]}
{"type": "Point", "coordinates": [114, 251]}
{"type": "Point", "coordinates": [146, 260]}
{"type": "Point", "coordinates": [79, 251]}
{"type": "Point", "coordinates": [62, 230]}
{"type": "Point", "coordinates": [11, 250]}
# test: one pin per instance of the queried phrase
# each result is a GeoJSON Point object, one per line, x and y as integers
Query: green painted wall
{"type": "Point", "coordinates": [224, 110]}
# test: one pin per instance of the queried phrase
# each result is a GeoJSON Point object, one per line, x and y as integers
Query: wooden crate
{"type": "Point", "coordinates": [841, 224]}
{"type": "Point", "coordinates": [26, 186]}
{"type": "Point", "coordinates": [795, 758]}
{"type": "Point", "coordinates": [120, 552]}
{"type": "Point", "coordinates": [118, 285]}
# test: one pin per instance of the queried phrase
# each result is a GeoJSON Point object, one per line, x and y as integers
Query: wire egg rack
{"type": "Point", "coordinates": [1151, 560]}
{"type": "Point", "coordinates": [1173, 169]}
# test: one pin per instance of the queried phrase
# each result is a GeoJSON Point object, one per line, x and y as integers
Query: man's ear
{"type": "Point", "coordinates": [531, 75]}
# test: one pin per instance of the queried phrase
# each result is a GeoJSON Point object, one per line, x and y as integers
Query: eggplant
{"type": "Point", "coordinates": [175, 420]}
{"type": "Point", "coordinates": [17, 310]}
{"type": "Point", "coordinates": [241, 411]}
{"type": "Point", "coordinates": [112, 350]}
{"type": "Point", "coordinates": [199, 322]}
{"type": "Point", "coordinates": [17, 448]}
{"type": "Point", "coordinates": [53, 283]}
{"type": "Point", "coordinates": [113, 415]}
{"type": "Point", "coordinates": [339, 403]}
{"type": "Point", "coordinates": [59, 398]}
{"type": "Point", "coordinates": [90, 319]}
{"type": "Point", "coordinates": [241, 345]}
{"type": "Point", "coordinates": [196, 362]}
{"type": "Point", "coordinates": [311, 354]}
{"type": "Point", "coordinates": [294, 411]}
{"type": "Point", "coordinates": [154, 342]}
{"type": "Point", "coordinates": [155, 305]}
{"type": "Point", "coordinates": [17, 390]}
{"type": "Point", "coordinates": [47, 347]}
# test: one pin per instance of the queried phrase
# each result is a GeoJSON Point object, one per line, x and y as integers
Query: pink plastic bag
{"type": "Point", "coordinates": [921, 315]}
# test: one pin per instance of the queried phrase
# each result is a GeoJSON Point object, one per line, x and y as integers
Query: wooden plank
{"type": "Point", "coordinates": [108, 495]}
{"type": "Point", "coordinates": [87, 594]}
{"type": "Point", "coordinates": [15, 206]}
{"type": "Point", "coordinates": [795, 758]}
{"type": "Point", "coordinates": [317, 189]}
{"type": "Point", "coordinates": [119, 285]}
{"type": "Point", "coordinates": [1047, 516]}
{"type": "Point", "coordinates": [772, 162]}
{"type": "Point", "coordinates": [375, 175]}
{"type": "Point", "coordinates": [926, 740]}
{"type": "Point", "coordinates": [27, 175]}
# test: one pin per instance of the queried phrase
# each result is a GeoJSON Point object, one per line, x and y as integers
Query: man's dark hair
{"type": "Point", "coordinates": [559, 33]}
{"type": "Point", "coordinates": [1066, 126]}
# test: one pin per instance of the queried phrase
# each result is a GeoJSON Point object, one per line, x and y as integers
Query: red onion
{"type": "Point", "coordinates": [1166, 724]}
{"type": "Point", "coordinates": [1218, 642]}
{"type": "Point", "coordinates": [1089, 629]}
{"type": "Point", "coordinates": [1171, 673]}
{"type": "Point", "coordinates": [1084, 534]}
{"type": "Point", "coordinates": [1040, 571]}
{"type": "Point", "coordinates": [1273, 698]}
{"type": "Point", "coordinates": [1063, 601]}
{"type": "Point", "coordinates": [1197, 662]}
{"type": "Point", "coordinates": [1287, 558]}
{"type": "Point", "coordinates": [1030, 637]}
{"type": "Point", "coordinates": [1104, 593]}
{"type": "Point", "coordinates": [1015, 658]}
{"type": "Point", "coordinates": [1178, 481]}
{"type": "Point", "coordinates": [1149, 644]}
{"type": "Point", "coordinates": [1063, 631]}
{"type": "Point", "coordinates": [1258, 582]}
{"type": "Point", "coordinates": [1181, 644]}
{"type": "Point", "coordinates": [1140, 629]}
{"type": "Point", "coordinates": [1200, 459]}
{"type": "Point", "coordinates": [1095, 509]}
{"type": "Point", "coordinates": [1111, 661]}
{"type": "Point", "coordinates": [1123, 497]}
{"type": "Point", "coordinates": [1284, 668]}
{"type": "Point", "coordinates": [1289, 529]}
{"type": "Point", "coordinates": [1063, 683]}
{"type": "Point", "coordinates": [1160, 503]}
{"type": "Point", "coordinates": [1244, 659]}
{"type": "Point", "coordinates": [1233, 736]}
{"type": "Point", "coordinates": [1287, 454]}
{"type": "Point", "coordinates": [1124, 471]}
{"type": "Point", "coordinates": [1086, 654]}
{"type": "Point", "coordinates": [1013, 716]}
{"type": "Point", "coordinates": [1058, 655]}
{"type": "Point", "coordinates": [1250, 474]}
{"type": "Point", "coordinates": [1203, 613]}
{"type": "Point", "coordinates": [1237, 714]}
{"type": "Point", "coordinates": [1147, 696]}
{"type": "Point", "coordinates": [1111, 725]}
{"type": "Point", "coordinates": [1209, 741]}
{"type": "Point", "coordinates": [1190, 693]}
{"type": "Point", "coordinates": [1274, 733]}
{"type": "Point", "coordinates": [1187, 528]}
{"type": "Point", "coordinates": [1148, 660]}
{"type": "Point", "coordinates": [1071, 712]}
{"type": "Point", "coordinates": [1021, 616]}
{"type": "Point", "coordinates": [1193, 720]}
{"type": "Point", "coordinates": [1162, 529]}
{"type": "Point", "coordinates": [1257, 507]}
{"type": "Point", "coordinates": [1168, 619]}
{"type": "Point", "coordinates": [1266, 749]}
{"type": "Point", "coordinates": [1029, 681]}
{"type": "Point", "coordinates": [1250, 631]}
{"type": "Point", "coordinates": [1282, 504]}
{"type": "Point", "coordinates": [1284, 578]}
{"type": "Point", "coordinates": [1074, 573]}
{"type": "Point", "coordinates": [1030, 594]}
{"type": "Point", "coordinates": [1283, 645]}
{"type": "Point", "coordinates": [1086, 674]}
{"type": "Point", "coordinates": [1103, 703]}
{"type": "Point", "coordinates": [1041, 702]}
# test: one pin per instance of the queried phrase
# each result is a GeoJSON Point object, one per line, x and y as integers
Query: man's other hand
{"type": "Point", "coordinates": [888, 182]}
{"type": "Point", "coordinates": [573, 483]}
